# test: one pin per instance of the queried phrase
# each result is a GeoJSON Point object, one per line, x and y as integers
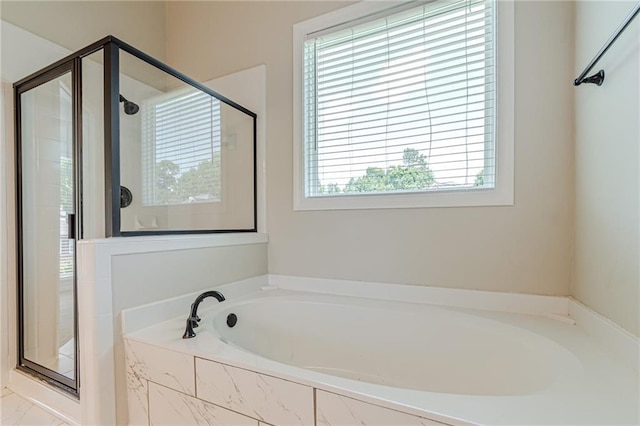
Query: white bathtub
{"type": "Point", "coordinates": [452, 365]}
{"type": "Point", "coordinates": [409, 346]}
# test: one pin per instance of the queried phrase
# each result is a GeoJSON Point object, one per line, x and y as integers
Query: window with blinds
{"type": "Point", "coordinates": [181, 149]}
{"type": "Point", "coordinates": [401, 102]}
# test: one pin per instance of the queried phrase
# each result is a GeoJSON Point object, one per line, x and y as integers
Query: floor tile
{"type": "Point", "coordinates": [17, 411]}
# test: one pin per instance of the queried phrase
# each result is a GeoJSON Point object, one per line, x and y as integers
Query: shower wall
{"type": "Point", "coordinates": [131, 148]}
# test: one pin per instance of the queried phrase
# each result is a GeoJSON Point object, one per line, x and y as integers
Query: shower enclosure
{"type": "Point", "coordinates": [110, 142]}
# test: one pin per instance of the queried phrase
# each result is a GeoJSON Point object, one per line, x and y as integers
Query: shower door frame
{"type": "Point", "coordinates": [74, 67]}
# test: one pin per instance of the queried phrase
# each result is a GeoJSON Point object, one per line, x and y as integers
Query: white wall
{"type": "Point", "coordinates": [524, 248]}
{"type": "Point", "coordinates": [607, 121]}
{"type": "Point", "coordinates": [248, 88]}
{"type": "Point", "coordinates": [5, 118]}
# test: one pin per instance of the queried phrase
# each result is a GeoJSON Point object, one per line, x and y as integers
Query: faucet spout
{"type": "Point", "coordinates": [193, 320]}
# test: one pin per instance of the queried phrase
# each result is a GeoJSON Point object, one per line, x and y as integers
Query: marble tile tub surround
{"type": "Point", "coordinates": [227, 395]}
{"type": "Point", "coordinates": [556, 405]}
{"type": "Point", "coordinates": [177, 388]}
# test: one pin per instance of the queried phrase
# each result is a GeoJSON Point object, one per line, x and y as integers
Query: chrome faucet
{"type": "Point", "coordinates": [194, 319]}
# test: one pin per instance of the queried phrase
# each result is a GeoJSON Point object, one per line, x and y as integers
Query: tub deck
{"type": "Point", "coordinates": [588, 384]}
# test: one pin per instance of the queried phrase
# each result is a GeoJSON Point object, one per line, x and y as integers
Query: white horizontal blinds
{"type": "Point", "coordinates": [182, 133]}
{"type": "Point", "coordinates": [67, 185]}
{"type": "Point", "coordinates": [66, 206]}
{"type": "Point", "coordinates": [402, 103]}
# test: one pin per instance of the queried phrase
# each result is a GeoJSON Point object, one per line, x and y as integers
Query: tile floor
{"type": "Point", "coordinates": [17, 411]}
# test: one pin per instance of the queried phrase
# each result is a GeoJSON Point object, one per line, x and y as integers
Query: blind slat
{"type": "Point", "coordinates": [349, 82]}
{"type": "Point", "coordinates": [416, 87]}
{"type": "Point", "coordinates": [359, 149]}
{"type": "Point", "coordinates": [345, 55]}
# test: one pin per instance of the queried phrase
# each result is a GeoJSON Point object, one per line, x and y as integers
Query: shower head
{"type": "Point", "coordinates": [130, 108]}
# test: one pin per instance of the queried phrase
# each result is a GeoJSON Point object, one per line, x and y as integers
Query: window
{"type": "Point", "coordinates": [181, 156]}
{"type": "Point", "coordinates": [398, 107]}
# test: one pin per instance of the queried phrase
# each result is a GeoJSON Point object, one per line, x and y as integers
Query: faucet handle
{"type": "Point", "coordinates": [189, 333]}
{"type": "Point", "coordinates": [193, 321]}
{"type": "Point", "coordinates": [194, 318]}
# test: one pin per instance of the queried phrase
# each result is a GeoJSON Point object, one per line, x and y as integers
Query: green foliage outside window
{"type": "Point", "coordinates": [413, 174]}
{"type": "Point", "coordinates": [199, 184]}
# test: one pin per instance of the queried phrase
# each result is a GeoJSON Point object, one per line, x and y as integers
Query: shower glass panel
{"type": "Point", "coordinates": [48, 228]}
{"type": "Point", "coordinates": [186, 157]}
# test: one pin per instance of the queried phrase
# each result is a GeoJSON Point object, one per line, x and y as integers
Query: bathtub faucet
{"type": "Point", "coordinates": [194, 319]}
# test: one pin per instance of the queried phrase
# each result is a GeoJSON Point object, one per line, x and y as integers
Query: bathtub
{"type": "Point", "coordinates": [407, 346]}
{"type": "Point", "coordinates": [446, 364]}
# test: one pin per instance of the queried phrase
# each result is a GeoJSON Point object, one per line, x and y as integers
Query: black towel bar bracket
{"type": "Point", "coordinates": [598, 78]}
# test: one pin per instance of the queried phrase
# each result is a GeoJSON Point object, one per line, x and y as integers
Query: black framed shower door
{"type": "Point", "coordinates": [48, 161]}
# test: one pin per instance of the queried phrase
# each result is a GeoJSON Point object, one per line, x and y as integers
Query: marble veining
{"type": "Point", "coordinates": [17, 411]}
{"type": "Point", "coordinates": [266, 398]}
{"type": "Point", "coordinates": [137, 397]}
{"type": "Point", "coordinates": [333, 409]}
{"type": "Point", "coordinates": [168, 368]}
{"type": "Point", "coordinates": [168, 407]}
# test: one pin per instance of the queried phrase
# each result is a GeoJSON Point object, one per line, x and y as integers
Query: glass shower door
{"type": "Point", "coordinates": [47, 224]}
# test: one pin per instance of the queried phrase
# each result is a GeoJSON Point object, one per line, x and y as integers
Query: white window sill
{"type": "Point", "coordinates": [452, 198]}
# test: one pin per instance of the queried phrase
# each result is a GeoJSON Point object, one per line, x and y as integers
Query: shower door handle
{"type": "Point", "coordinates": [71, 226]}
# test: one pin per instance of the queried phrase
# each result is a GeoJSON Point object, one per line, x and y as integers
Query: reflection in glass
{"type": "Point", "coordinates": [181, 148]}
{"type": "Point", "coordinates": [186, 156]}
{"type": "Point", "coordinates": [47, 212]}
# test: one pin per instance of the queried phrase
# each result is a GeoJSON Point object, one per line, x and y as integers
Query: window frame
{"type": "Point", "coordinates": [502, 194]}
